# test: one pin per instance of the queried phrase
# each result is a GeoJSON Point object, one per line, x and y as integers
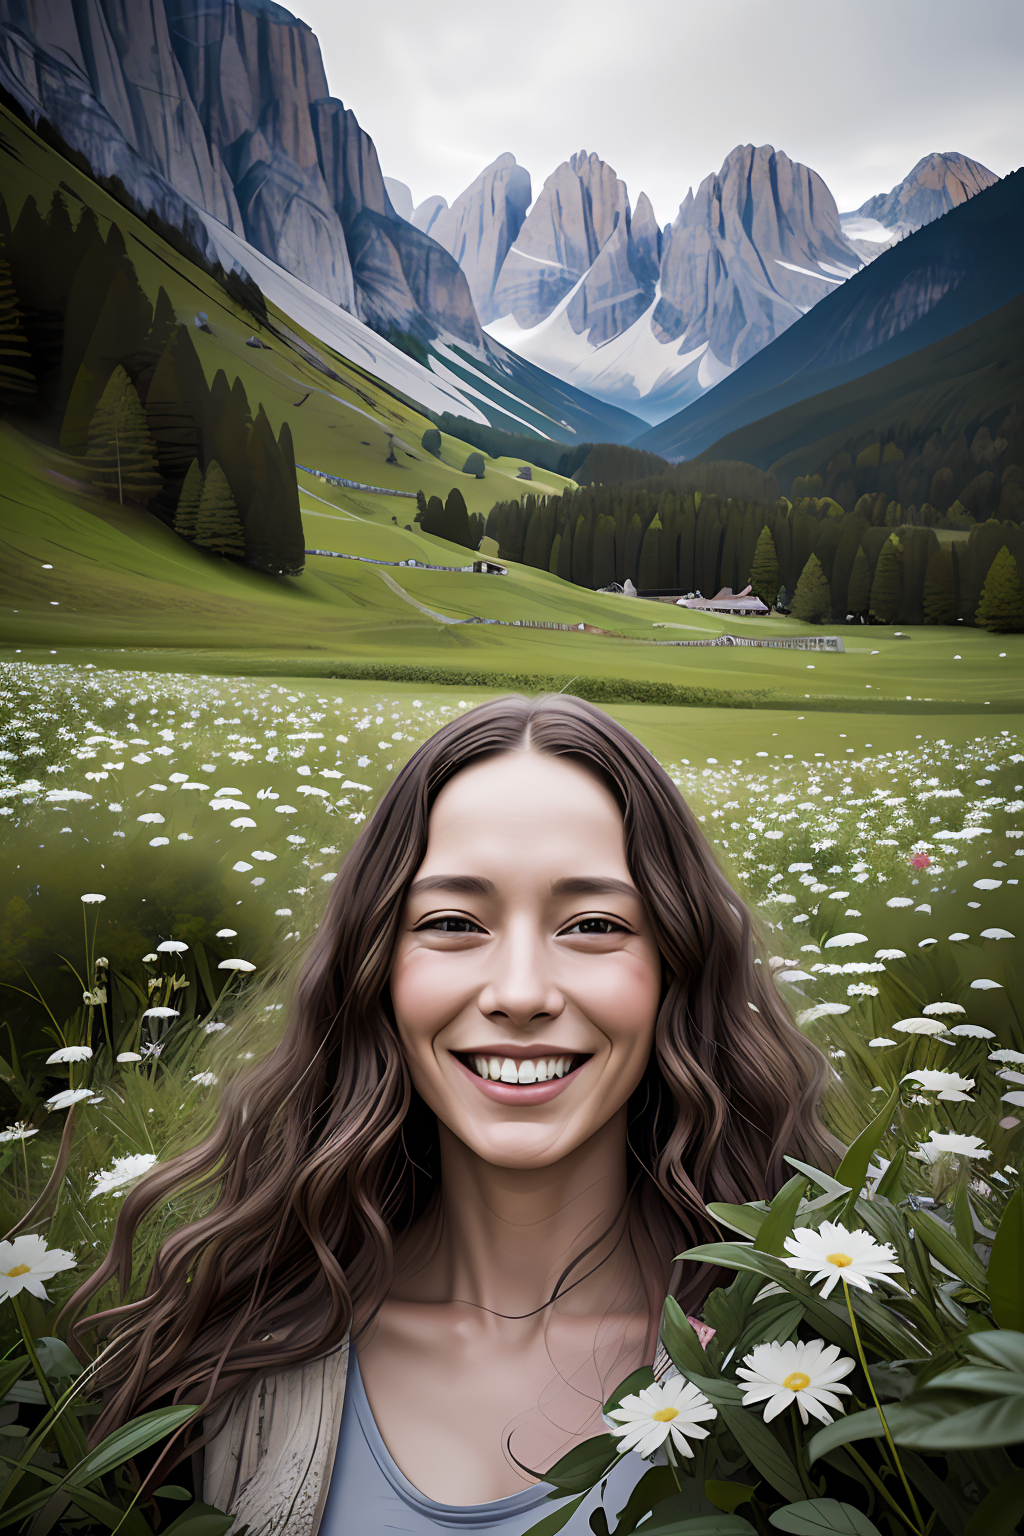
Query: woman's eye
{"type": "Point", "coordinates": [435, 924]}
{"type": "Point", "coordinates": [610, 925]}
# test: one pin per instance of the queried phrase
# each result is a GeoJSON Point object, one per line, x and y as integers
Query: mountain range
{"type": "Point", "coordinates": [570, 314]}
{"type": "Point", "coordinates": [651, 318]}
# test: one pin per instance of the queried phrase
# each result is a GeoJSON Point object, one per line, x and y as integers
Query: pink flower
{"type": "Point", "coordinates": [703, 1331]}
{"type": "Point", "coordinates": [919, 861]}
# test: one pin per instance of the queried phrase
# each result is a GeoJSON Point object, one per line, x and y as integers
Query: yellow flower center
{"type": "Point", "coordinates": [840, 1260]}
{"type": "Point", "coordinates": [665, 1415]}
{"type": "Point", "coordinates": [796, 1381]}
{"type": "Point", "coordinates": [19, 1269]}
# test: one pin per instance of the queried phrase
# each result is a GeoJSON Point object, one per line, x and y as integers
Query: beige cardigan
{"type": "Point", "coordinates": [270, 1460]}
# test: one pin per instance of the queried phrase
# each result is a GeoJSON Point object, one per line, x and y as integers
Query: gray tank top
{"type": "Point", "coordinates": [369, 1495]}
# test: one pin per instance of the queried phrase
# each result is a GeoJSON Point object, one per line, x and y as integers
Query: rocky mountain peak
{"type": "Point", "coordinates": [757, 246]}
{"type": "Point", "coordinates": [937, 183]}
{"type": "Point", "coordinates": [481, 225]}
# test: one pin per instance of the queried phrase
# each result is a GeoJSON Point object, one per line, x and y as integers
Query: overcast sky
{"type": "Point", "coordinates": [664, 89]}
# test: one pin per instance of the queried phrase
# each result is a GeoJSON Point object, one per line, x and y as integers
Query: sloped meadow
{"type": "Point", "coordinates": [169, 843]}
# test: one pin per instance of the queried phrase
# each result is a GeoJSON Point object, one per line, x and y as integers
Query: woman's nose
{"type": "Point", "coordinates": [521, 984]}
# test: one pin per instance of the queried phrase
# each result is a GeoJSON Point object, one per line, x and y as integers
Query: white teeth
{"type": "Point", "coordinates": [498, 1069]}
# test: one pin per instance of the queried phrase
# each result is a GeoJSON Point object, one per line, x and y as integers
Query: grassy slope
{"type": "Point", "coordinates": [121, 582]}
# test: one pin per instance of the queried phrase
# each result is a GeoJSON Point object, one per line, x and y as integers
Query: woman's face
{"type": "Point", "coordinates": [526, 977]}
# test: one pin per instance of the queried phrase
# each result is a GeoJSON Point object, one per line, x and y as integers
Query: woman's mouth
{"type": "Point", "coordinates": [534, 1069]}
{"type": "Point", "coordinates": [526, 1081]}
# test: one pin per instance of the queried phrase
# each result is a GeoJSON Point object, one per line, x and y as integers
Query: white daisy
{"type": "Point", "coordinates": [18, 1131]}
{"type": "Point", "coordinates": [806, 1374]}
{"type": "Point", "coordinates": [161, 1013]}
{"type": "Point", "coordinates": [93, 896]}
{"type": "Point", "coordinates": [972, 1031]}
{"type": "Point", "coordinates": [880, 1040]}
{"type": "Point", "coordinates": [226, 933]}
{"type": "Point", "coordinates": [69, 1053]}
{"type": "Point", "coordinates": [946, 1085]}
{"type": "Point", "coordinates": [171, 947]}
{"type": "Point", "coordinates": [940, 1143]}
{"type": "Point", "coordinates": [67, 1097]}
{"type": "Point", "coordinates": [26, 1263]}
{"type": "Point", "coordinates": [124, 1170]}
{"type": "Point", "coordinates": [935, 1010]}
{"type": "Point", "coordinates": [890, 954]}
{"type": "Point", "coordinates": [666, 1410]}
{"type": "Point", "coordinates": [921, 1026]}
{"type": "Point", "coordinates": [236, 965]}
{"type": "Point", "coordinates": [1014, 1056]}
{"type": "Point", "coordinates": [128, 1056]}
{"type": "Point", "coordinates": [834, 1253]}
{"type": "Point", "coordinates": [845, 940]}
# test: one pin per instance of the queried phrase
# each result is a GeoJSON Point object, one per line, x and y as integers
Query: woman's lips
{"type": "Point", "coordinates": [525, 1094]}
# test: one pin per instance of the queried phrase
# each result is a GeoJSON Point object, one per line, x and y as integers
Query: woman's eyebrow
{"type": "Point", "coordinates": [569, 885]}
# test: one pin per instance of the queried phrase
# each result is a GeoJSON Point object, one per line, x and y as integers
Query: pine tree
{"type": "Point", "coordinates": [292, 538]}
{"type": "Point", "coordinates": [764, 572]}
{"type": "Point", "coordinates": [939, 589]}
{"type": "Point", "coordinates": [176, 404]}
{"type": "Point", "coordinates": [421, 503]}
{"type": "Point", "coordinates": [603, 567]}
{"type": "Point", "coordinates": [17, 380]}
{"type": "Point", "coordinates": [121, 453]}
{"type": "Point", "coordinates": [650, 554]}
{"type": "Point", "coordinates": [456, 516]}
{"type": "Point", "coordinates": [812, 600]}
{"type": "Point", "coordinates": [188, 502]}
{"type": "Point", "coordinates": [1002, 597]}
{"type": "Point", "coordinates": [887, 587]}
{"type": "Point", "coordinates": [858, 596]}
{"type": "Point", "coordinates": [556, 545]}
{"type": "Point", "coordinates": [218, 526]}
{"type": "Point", "coordinates": [433, 518]}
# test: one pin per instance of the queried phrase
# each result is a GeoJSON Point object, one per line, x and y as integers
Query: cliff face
{"type": "Point", "coordinates": [481, 226]}
{"type": "Point", "coordinates": [577, 249]}
{"type": "Point", "coordinates": [756, 248]}
{"type": "Point", "coordinates": [227, 106]}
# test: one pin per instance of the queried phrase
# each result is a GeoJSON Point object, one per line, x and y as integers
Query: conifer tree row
{"type": "Point", "coordinates": [874, 566]}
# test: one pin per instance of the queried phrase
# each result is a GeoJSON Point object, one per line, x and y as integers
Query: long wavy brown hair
{"type": "Point", "coordinates": [323, 1153]}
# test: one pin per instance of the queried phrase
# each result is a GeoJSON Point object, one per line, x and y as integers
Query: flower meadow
{"type": "Point", "coordinates": [169, 842]}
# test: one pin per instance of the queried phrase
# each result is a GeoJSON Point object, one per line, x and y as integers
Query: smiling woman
{"type": "Point", "coordinates": [528, 1044]}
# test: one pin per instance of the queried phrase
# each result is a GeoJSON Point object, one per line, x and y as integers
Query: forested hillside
{"type": "Point", "coordinates": [879, 562]}
{"type": "Point", "coordinates": [87, 358]}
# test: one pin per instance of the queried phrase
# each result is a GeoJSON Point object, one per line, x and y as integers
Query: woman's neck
{"type": "Point", "coordinates": [500, 1239]}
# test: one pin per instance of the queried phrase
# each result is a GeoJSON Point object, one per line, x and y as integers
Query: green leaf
{"type": "Point", "coordinates": [963, 1221]}
{"type": "Point", "coordinates": [12, 1371]}
{"type": "Point", "coordinates": [890, 1184]}
{"type": "Point", "coordinates": [551, 1524]}
{"type": "Point", "coordinates": [742, 1218]}
{"type": "Point", "coordinates": [1000, 1513]}
{"type": "Point", "coordinates": [772, 1322]}
{"type": "Point", "coordinates": [979, 1378]}
{"type": "Point", "coordinates": [680, 1339]}
{"type": "Point", "coordinates": [1006, 1267]}
{"type": "Point", "coordinates": [582, 1467]}
{"type": "Point", "coordinates": [816, 1517]}
{"type": "Point", "coordinates": [633, 1383]}
{"type": "Point", "coordinates": [765, 1454]}
{"type": "Point", "coordinates": [654, 1486]}
{"type": "Point", "coordinates": [781, 1217]}
{"type": "Point", "coordinates": [932, 1427]}
{"type": "Point", "coordinates": [172, 1491]}
{"type": "Point", "coordinates": [832, 1187]}
{"type": "Point", "coordinates": [1001, 1346]}
{"type": "Point", "coordinates": [56, 1358]}
{"type": "Point", "coordinates": [728, 1496]}
{"type": "Point", "coordinates": [854, 1167]}
{"type": "Point", "coordinates": [125, 1442]}
{"type": "Point", "coordinates": [201, 1520]}
{"type": "Point", "coordinates": [864, 1425]}
{"type": "Point", "coordinates": [942, 1245]}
